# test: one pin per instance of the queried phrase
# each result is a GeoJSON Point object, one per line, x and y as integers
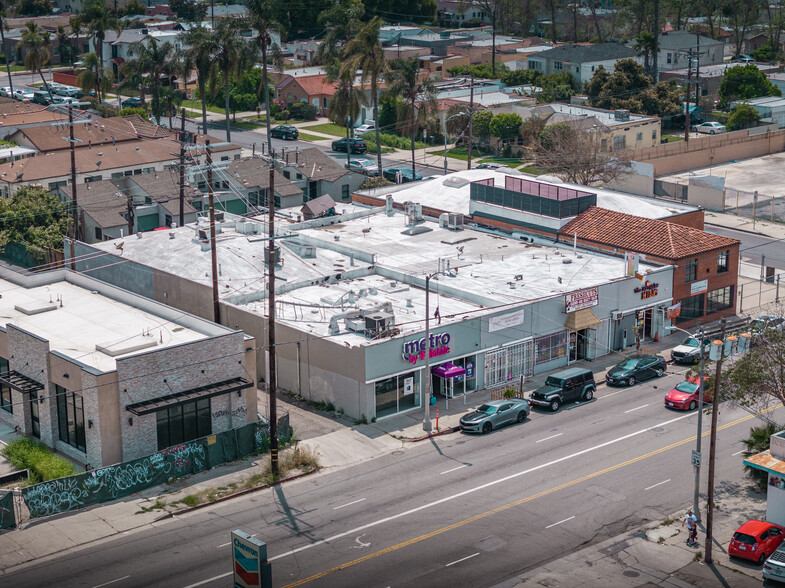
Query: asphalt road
{"type": "Point", "coordinates": [457, 510]}
{"type": "Point", "coordinates": [753, 246]}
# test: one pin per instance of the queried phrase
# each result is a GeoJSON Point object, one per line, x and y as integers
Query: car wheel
{"type": "Point", "coordinates": [487, 428]}
{"type": "Point", "coordinates": [588, 395]}
{"type": "Point", "coordinates": [631, 381]}
{"type": "Point", "coordinates": [659, 372]}
{"type": "Point", "coordinates": [693, 405]}
{"type": "Point", "coordinates": [522, 416]}
{"type": "Point", "coordinates": [711, 132]}
{"type": "Point", "coordinates": [694, 129]}
{"type": "Point", "coordinates": [555, 404]}
{"type": "Point", "coordinates": [761, 558]}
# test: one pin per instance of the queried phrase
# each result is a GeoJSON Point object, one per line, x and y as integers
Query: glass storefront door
{"type": "Point", "coordinates": [397, 393]}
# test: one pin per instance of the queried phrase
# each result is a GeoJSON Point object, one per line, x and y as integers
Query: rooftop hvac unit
{"type": "Point", "coordinates": [413, 212]}
{"type": "Point", "coordinates": [203, 235]}
{"type": "Point", "coordinates": [219, 216]}
{"type": "Point", "coordinates": [454, 220]}
{"type": "Point", "coordinates": [621, 114]}
{"type": "Point", "coordinates": [355, 324]}
{"type": "Point", "coordinates": [377, 323]}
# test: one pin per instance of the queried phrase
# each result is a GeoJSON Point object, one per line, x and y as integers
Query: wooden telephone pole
{"type": "Point", "coordinates": [273, 376]}
{"type": "Point", "coordinates": [213, 246]}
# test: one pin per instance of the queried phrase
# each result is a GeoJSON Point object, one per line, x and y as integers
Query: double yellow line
{"type": "Point", "coordinates": [517, 502]}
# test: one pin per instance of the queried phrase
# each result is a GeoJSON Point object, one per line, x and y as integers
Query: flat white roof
{"type": "Point", "coordinates": [489, 99]}
{"type": "Point", "coordinates": [606, 117]}
{"type": "Point", "coordinates": [87, 321]}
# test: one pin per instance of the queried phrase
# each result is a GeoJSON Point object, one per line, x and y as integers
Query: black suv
{"type": "Point", "coordinates": [285, 132]}
{"type": "Point", "coordinates": [356, 144]}
{"type": "Point", "coordinates": [568, 385]}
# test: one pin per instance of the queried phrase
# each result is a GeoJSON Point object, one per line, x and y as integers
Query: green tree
{"type": "Point", "coordinates": [34, 7]}
{"type": "Point", "coordinates": [33, 217]}
{"type": "Point", "coordinates": [170, 100]}
{"type": "Point", "coordinates": [645, 45]}
{"type": "Point", "coordinates": [189, 10]}
{"type": "Point", "coordinates": [261, 14]}
{"type": "Point", "coordinates": [364, 53]}
{"type": "Point", "coordinates": [97, 19]}
{"type": "Point", "coordinates": [346, 102]}
{"type": "Point", "coordinates": [131, 110]}
{"type": "Point", "coordinates": [417, 11]}
{"type": "Point", "coordinates": [481, 125]}
{"type": "Point", "coordinates": [199, 48]}
{"type": "Point", "coordinates": [35, 43]}
{"type": "Point", "coordinates": [231, 59]}
{"type": "Point", "coordinates": [483, 71]}
{"type": "Point", "coordinates": [152, 61]}
{"type": "Point", "coordinates": [765, 54]}
{"type": "Point", "coordinates": [92, 77]}
{"type": "Point", "coordinates": [743, 116]}
{"type": "Point", "coordinates": [758, 442]}
{"type": "Point", "coordinates": [301, 19]}
{"type": "Point", "coordinates": [418, 96]}
{"type": "Point", "coordinates": [388, 117]}
{"type": "Point", "coordinates": [521, 77]}
{"type": "Point", "coordinates": [743, 82]}
{"type": "Point", "coordinates": [557, 87]}
{"type": "Point", "coordinates": [342, 21]}
{"type": "Point", "coordinates": [505, 126]}
{"type": "Point", "coordinates": [4, 6]}
{"type": "Point", "coordinates": [66, 49]}
{"type": "Point", "coordinates": [132, 8]}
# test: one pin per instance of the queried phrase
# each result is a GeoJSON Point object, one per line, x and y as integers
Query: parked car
{"type": "Point", "coordinates": [495, 414]}
{"type": "Point", "coordinates": [689, 351]}
{"type": "Point", "coordinates": [768, 322]}
{"type": "Point", "coordinates": [709, 128]}
{"type": "Point", "coordinates": [742, 58]}
{"type": "Point", "coordinates": [63, 100]}
{"type": "Point", "coordinates": [5, 91]}
{"type": "Point", "coordinates": [685, 395]}
{"type": "Point", "coordinates": [285, 132]}
{"type": "Point", "coordinates": [63, 90]}
{"type": "Point", "coordinates": [356, 145]}
{"type": "Point", "coordinates": [492, 165]}
{"type": "Point", "coordinates": [636, 368]}
{"type": "Point", "coordinates": [41, 97]}
{"type": "Point", "coordinates": [407, 175]}
{"type": "Point", "coordinates": [568, 385]}
{"type": "Point", "coordinates": [51, 86]}
{"type": "Point", "coordinates": [366, 128]}
{"type": "Point", "coordinates": [363, 166]}
{"type": "Point", "coordinates": [756, 540]}
{"type": "Point", "coordinates": [774, 567]}
{"type": "Point", "coordinates": [20, 94]}
{"type": "Point", "coordinates": [132, 102]}
{"type": "Point", "coordinates": [679, 121]}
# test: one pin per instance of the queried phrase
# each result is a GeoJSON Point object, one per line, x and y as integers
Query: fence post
{"type": "Point", "coordinates": [777, 292]}
{"type": "Point", "coordinates": [772, 208]}
{"type": "Point", "coordinates": [754, 204]}
{"type": "Point", "coordinates": [741, 298]}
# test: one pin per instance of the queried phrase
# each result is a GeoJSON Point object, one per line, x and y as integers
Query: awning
{"type": "Point", "coordinates": [118, 60]}
{"type": "Point", "coordinates": [20, 382]}
{"type": "Point", "coordinates": [208, 391]}
{"type": "Point", "coordinates": [581, 319]}
{"type": "Point", "coordinates": [448, 370]}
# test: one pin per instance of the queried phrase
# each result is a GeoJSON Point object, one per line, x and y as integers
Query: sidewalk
{"type": "Point", "coordinates": [743, 223]}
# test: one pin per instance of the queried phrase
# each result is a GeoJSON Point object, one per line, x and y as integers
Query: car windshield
{"type": "Point", "coordinates": [488, 409]}
{"type": "Point", "coordinates": [629, 364]}
{"type": "Point", "coordinates": [687, 387]}
{"type": "Point", "coordinates": [690, 342]}
{"type": "Point", "coordinates": [555, 382]}
{"type": "Point", "coordinates": [744, 538]}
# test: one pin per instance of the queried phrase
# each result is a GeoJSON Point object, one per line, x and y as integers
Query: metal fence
{"type": "Point", "coordinates": [756, 206]}
{"type": "Point", "coordinates": [7, 514]}
{"type": "Point", "coordinates": [112, 482]}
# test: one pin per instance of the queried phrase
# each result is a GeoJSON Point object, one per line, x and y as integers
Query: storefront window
{"type": "Point", "coordinates": [550, 347]}
{"type": "Point", "coordinates": [691, 308]}
{"type": "Point", "coordinates": [470, 377]}
{"type": "Point", "coordinates": [508, 363]}
{"type": "Point", "coordinates": [70, 416]}
{"type": "Point", "coordinates": [5, 391]}
{"type": "Point", "coordinates": [719, 299]}
{"type": "Point", "coordinates": [396, 394]}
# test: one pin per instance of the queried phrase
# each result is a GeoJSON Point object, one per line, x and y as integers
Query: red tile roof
{"type": "Point", "coordinates": [313, 85]}
{"type": "Point", "coordinates": [643, 235]}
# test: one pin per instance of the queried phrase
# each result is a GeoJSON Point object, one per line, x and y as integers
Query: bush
{"type": "Point", "coordinates": [375, 182]}
{"type": "Point", "coordinates": [130, 110]}
{"type": "Point", "coordinates": [370, 142]}
{"type": "Point", "coordinates": [390, 140]}
{"type": "Point", "coordinates": [27, 453]}
{"type": "Point", "coordinates": [283, 115]}
{"type": "Point", "coordinates": [303, 111]}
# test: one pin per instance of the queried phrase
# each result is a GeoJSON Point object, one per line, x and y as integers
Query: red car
{"type": "Point", "coordinates": [756, 540]}
{"type": "Point", "coordinates": [685, 395]}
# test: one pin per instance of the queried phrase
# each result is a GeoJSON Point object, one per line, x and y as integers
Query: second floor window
{"type": "Point", "coordinates": [722, 262]}
{"type": "Point", "coordinates": [691, 270]}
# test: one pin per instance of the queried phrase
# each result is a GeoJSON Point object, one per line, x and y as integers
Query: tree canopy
{"type": "Point", "coordinates": [743, 82]}
{"type": "Point", "coordinates": [33, 217]}
{"type": "Point", "coordinates": [742, 117]}
{"type": "Point", "coordinates": [628, 87]}
{"type": "Point", "coordinates": [505, 126]}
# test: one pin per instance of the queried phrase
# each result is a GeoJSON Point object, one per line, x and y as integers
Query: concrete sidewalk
{"type": "Point", "coordinates": [766, 228]}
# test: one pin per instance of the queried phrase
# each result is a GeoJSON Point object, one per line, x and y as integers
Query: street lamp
{"type": "Point", "coordinates": [427, 426]}
{"type": "Point", "coordinates": [696, 463]}
{"type": "Point", "coordinates": [445, 136]}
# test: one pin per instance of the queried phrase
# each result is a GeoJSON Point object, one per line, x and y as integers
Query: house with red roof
{"type": "Point", "coordinates": [311, 89]}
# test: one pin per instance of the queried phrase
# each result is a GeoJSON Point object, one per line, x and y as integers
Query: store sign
{"type": "Point", "coordinates": [505, 321]}
{"type": "Point", "coordinates": [408, 386]}
{"type": "Point", "coordinates": [582, 299]}
{"type": "Point", "coordinates": [249, 555]}
{"type": "Point", "coordinates": [699, 287]}
{"type": "Point", "coordinates": [648, 290]}
{"type": "Point", "coordinates": [469, 367]}
{"type": "Point", "coordinates": [437, 344]}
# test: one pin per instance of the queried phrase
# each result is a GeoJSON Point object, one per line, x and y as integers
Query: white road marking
{"type": "Point", "coordinates": [452, 563]}
{"type": "Point", "coordinates": [348, 504]}
{"type": "Point", "coordinates": [110, 582]}
{"type": "Point", "coordinates": [208, 580]}
{"type": "Point", "coordinates": [225, 544]}
{"type": "Point", "coordinates": [460, 467]}
{"type": "Point", "coordinates": [463, 493]}
{"type": "Point", "coordinates": [360, 544]}
{"type": "Point", "coordinates": [737, 453]}
{"type": "Point", "coordinates": [551, 437]}
{"type": "Point", "coordinates": [612, 393]}
{"type": "Point", "coordinates": [634, 409]}
{"type": "Point", "coordinates": [560, 522]}
{"type": "Point", "coordinates": [658, 484]}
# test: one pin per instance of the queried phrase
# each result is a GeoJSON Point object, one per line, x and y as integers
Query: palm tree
{"type": "Point", "coordinates": [153, 60]}
{"type": "Point", "coordinates": [4, 5]}
{"type": "Point", "coordinates": [131, 79]}
{"type": "Point", "coordinates": [645, 45]}
{"type": "Point", "coordinates": [346, 102]}
{"type": "Point", "coordinates": [36, 42]}
{"type": "Point", "coordinates": [364, 52]}
{"type": "Point", "coordinates": [92, 77]}
{"type": "Point", "coordinates": [418, 96]}
{"type": "Point", "coordinates": [342, 22]}
{"type": "Point", "coordinates": [170, 99]}
{"type": "Point", "coordinates": [199, 43]}
{"type": "Point", "coordinates": [232, 54]}
{"type": "Point", "coordinates": [261, 17]}
{"type": "Point", "coordinates": [757, 442]}
{"type": "Point", "coordinates": [98, 19]}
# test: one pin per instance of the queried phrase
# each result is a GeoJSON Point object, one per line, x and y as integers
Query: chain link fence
{"type": "Point", "coordinates": [765, 207]}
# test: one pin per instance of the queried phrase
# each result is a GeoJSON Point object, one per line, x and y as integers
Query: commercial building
{"type": "Point", "coordinates": [104, 376]}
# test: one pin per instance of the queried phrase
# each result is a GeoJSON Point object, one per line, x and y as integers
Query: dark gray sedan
{"type": "Point", "coordinates": [495, 414]}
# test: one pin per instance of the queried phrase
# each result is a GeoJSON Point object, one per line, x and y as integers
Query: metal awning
{"type": "Point", "coordinates": [582, 319]}
{"type": "Point", "coordinates": [208, 391]}
{"type": "Point", "coordinates": [20, 382]}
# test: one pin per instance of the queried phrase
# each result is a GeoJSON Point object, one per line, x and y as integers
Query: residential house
{"type": "Point", "coordinates": [581, 60]}
{"type": "Point", "coordinates": [311, 89]}
{"type": "Point", "coordinates": [755, 42]}
{"type": "Point", "coordinates": [13, 39]}
{"type": "Point", "coordinates": [438, 43]}
{"type": "Point", "coordinates": [300, 52]}
{"type": "Point", "coordinates": [438, 67]}
{"type": "Point", "coordinates": [317, 174]}
{"type": "Point", "coordinates": [395, 32]}
{"type": "Point", "coordinates": [458, 12]}
{"type": "Point", "coordinates": [705, 272]}
{"type": "Point", "coordinates": [15, 115]}
{"type": "Point", "coordinates": [75, 372]}
{"type": "Point", "coordinates": [479, 51]}
{"type": "Point", "coordinates": [675, 44]}
{"type": "Point", "coordinates": [711, 76]}
{"type": "Point", "coordinates": [318, 208]}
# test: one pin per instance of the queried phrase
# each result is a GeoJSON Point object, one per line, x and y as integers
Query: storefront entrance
{"type": "Point", "coordinates": [397, 394]}
{"type": "Point", "coordinates": [448, 380]}
{"type": "Point", "coordinates": [583, 344]}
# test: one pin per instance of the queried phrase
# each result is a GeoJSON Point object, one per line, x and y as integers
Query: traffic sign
{"type": "Point", "coordinates": [696, 458]}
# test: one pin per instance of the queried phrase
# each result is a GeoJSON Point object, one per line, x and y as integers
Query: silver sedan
{"type": "Point", "coordinates": [495, 414]}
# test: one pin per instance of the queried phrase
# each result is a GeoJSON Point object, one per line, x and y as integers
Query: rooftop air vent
{"type": "Point", "coordinates": [621, 114]}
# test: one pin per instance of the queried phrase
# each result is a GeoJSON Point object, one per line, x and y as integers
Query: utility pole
{"type": "Point", "coordinates": [75, 209]}
{"type": "Point", "coordinates": [213, 246]}
{"type": "Point", "coordinates": [273, 380]}
{"type": "Point", "coordinates": [713, 441]}
{"type": "Point", "coordinates": [687, 103]}
{"type": "Point", "coordinates": [182, 168]}
{"type": "Point", "coordinates": [471, 120]}
{"type": "Point", "coordinates": [691, 54]}
{"type": "Point", "coordinates": [697, 71]}
{"type": "Point", "coordinates": [656, 48]}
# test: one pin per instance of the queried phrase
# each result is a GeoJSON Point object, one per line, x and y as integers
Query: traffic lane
{"type": "Point", "coordinates": [754, 245]}
{"type": "Point", "coordinates": [596, 506]}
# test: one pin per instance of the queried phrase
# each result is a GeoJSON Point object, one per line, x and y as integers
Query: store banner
{"type": "Point", "coordinates": [699, 287]}
{"type": "Point", "coordinates": [505, 321]}
{"type": "Point", "coordinates": [582, 299]}
{"type": "Point", "coordinates": [674, 311]}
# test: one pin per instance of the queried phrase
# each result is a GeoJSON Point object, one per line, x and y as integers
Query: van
{"type": "Point", "coordinates": [568, 385]}
{"type": "Point", "coordinates": [40, 97]}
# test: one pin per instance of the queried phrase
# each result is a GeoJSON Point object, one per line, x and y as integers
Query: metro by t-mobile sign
{"type": "Point", "coordinates": [437, 344]}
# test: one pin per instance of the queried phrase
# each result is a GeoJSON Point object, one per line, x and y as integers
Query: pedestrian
{"type": "Point", "coordinates": [692, 527]}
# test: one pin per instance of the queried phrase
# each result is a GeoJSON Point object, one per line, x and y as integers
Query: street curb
{"type": "Point", "coordinates": [748, 231]}
{"type": "Point", "coordinates": [436, 434]}
{"type": "Point", "coordinates": [234, 495]}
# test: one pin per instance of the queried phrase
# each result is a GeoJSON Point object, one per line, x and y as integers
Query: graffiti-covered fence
{"type": "Point", "coordinates": [7, 516]}
{"type": "Point", "coordinates": [112, 482]}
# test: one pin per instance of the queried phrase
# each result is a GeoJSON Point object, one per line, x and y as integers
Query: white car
{"type": "Point", "coordinates": [366, 128]}
{"type": "Point", "coordinates": [20, 94]}
{"type": "Point", "coordinates": [363, 166]}
{"type": "Point", "coordinates": [5, 91]}
{"type": "Point", "coordinates": [710, 128]}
